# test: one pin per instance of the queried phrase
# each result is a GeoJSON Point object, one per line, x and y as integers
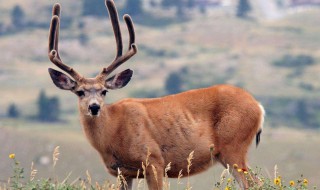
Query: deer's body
{"type": "Point", "coordinates": [170, 128]}
{"type": "Point", "coordinates": [173, 126]}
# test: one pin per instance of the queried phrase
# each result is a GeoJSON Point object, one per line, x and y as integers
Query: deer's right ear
{"type": "Point", "coordinates": [61, 80]}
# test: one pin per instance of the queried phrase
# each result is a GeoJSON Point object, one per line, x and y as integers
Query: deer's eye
{"type": "Point", "coordinates": [80, 93]}
{"type": "Point", "coordinates": [104, 92]}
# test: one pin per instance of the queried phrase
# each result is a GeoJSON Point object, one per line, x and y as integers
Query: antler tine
{"type": "Point", "coordinates": [119, 59]}
{"type": "Point", "coordinates": [53, 52]}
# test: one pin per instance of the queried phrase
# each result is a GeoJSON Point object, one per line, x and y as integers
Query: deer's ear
{"type": "Point", "coordinates": [119, 80]}
{"type": "Point", "coordinates": [61, 80]}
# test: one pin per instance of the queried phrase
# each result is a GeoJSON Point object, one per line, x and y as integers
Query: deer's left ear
{"type": "Point", "coordinates": [119, 80]}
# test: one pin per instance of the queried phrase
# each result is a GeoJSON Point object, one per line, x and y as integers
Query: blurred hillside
{"type": "Point", "coordinates": [277, 60]}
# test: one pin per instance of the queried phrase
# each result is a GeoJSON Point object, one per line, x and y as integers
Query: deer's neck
{"type": "Point", "coordinates": [97, 129]}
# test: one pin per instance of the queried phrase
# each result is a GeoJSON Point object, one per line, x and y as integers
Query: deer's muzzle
{"type": "Point", "coordinates": [94, 109]}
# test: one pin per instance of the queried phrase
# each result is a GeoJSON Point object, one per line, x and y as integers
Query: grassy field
{"type": "Point", "coordinates": [293, 151]}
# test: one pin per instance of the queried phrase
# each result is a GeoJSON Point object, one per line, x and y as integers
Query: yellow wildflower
{"type": "Point", "coordinates": [239, 170]}
{"type": "Point", "coordinates": [305, 181]}
{"type": "Point", "coordinates": [229, 180]}
{"type": "Point", "coordinates": [291, 183]}
{"type": "Point", "coordinates": [12, 156]}
{"type": "Point", "coordinates": [245, 172]}
{"type": "Point", "coordinates": [277, 181]}
{"type": "Point", "coordinates": [227, 188]}
{"type": "Point", "coordinates": [235, 166]}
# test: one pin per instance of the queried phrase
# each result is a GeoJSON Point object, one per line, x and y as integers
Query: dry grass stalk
{"type": "Point", "coordinates": [154, 170]}
{"type": "Point", "coordinates": [83, 184]}
{"type": "Point", "coordinates": [144, 168]}
{"type": "Point", "coordinates": [55, 156]}
{"type": "Point", "coordinates": [98, 187]}
{"type": "Point", "coordinates": [88, 177]}
{"type": "Point", "coordinates": [190, 158]}
{"type": "Point", "coordinates": [224, 174]}
{"type": "Point", "coordinates": [138, 181]}
{"type": "Point", "coordinates": [121, 180]}
{"type": "Point", "coordinates": [65, 180]}
{"type": "Point", "coordinates": [33, 172]}
{"type": "Point", "coordinates": [179, 179]}
{"type": "Point", "coordinates": [166, 183]}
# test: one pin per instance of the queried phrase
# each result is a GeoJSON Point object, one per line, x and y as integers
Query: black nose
{"type": "Point", "coordinates": [94, 108]}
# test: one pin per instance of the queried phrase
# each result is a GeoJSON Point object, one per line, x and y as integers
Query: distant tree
{"type": "Point", "coordinates": [167, 3]}
{"type": "Point", "coordinates": [153, 3]}
{"type": "Point", "coordinates": [298, 61]}
{"type": "Point", "coordinates": [17, 17]}
{"type": "Point", "coordinates": [191, 4]}
{"type": "Point", "coordinates": [13, 111]}
{"type": "Point", "coordinates": [203, 9]}
{"type": "Point", "coordinates": [83, 38]}
{"type": "Point", "coordinates": [133, 7]}
{"type": "Point", "coordinates": [93, 8]}
{"type": "Point", "coordinates": [302, 112]}
{"type": "Point", "coordinates": [173, 83]}
{"type": "Point", "coordinates": [48, 108]}
{"type": "Point", "coordinates": [243, 8]}
{"type": "Point", "coordinates": [178, 4]}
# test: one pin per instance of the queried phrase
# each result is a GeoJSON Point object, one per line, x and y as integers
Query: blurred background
{"type": "Point", "coordinates": [270, 48]}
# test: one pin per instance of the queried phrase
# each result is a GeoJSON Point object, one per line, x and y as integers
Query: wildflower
{"type": "Point", "coordinates": [245, 172]}
{"type": "Point", "coordinates": [229, 180]}
{"type": "Point", "coordinates": [235, 166]}
{"type": "Point", "coordinates": [277, 181]}
{"type": "Point", "coordinates": [239, 170]}
{"type": "Point", "coordinates": [227, 188]}
{"type": "Point", "coordinates": [305, 181]}
{"type": "Point", "coordinates": [12, 156]}
{"type": "Point", "coordinates": [291, 183]}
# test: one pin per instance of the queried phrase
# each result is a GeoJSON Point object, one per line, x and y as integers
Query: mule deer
{"type": "Point", "coordinates": [169, 127]}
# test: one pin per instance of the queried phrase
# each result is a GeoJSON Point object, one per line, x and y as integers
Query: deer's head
{"type": "Point", "coordinates": [91, 91]}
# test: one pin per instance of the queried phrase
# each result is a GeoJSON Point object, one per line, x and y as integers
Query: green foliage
{"type": "Point", "coordinates": [16, 179]}
{"type": "Point", "coordinates": [13, 111]}
{"type": "Point", "coordinates": [48, 108]}
{"type": "Point", "coordinates": [17, 17]}
{"type": "Point", "coordinates": [243, 8]}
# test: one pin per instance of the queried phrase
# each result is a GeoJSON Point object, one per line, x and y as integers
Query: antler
{"type": "Point", "coordinates": [119, 59]}
{"type": "Point", "coordinates": [53, 52]}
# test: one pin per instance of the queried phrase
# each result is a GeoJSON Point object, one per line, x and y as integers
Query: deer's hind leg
{"type": "Point", "coordinates": [237, 164]}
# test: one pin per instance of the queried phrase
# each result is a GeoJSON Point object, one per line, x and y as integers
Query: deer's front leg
{"type": "Point", "coordinates": [155, 177]}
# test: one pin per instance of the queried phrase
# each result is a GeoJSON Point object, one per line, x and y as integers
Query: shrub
{"type": "Point", "coordinates": [13, 111]}
{"type": "Point", "coordinates": [48, 108]}
{"type": "Point", "coordinates": [298, 61]}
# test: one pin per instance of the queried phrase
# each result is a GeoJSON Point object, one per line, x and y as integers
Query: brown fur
{"type": "Point", "coordinates": [173, 126]}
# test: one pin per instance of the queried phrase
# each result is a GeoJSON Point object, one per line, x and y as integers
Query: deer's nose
{"type": "Point", "coordinates": [94, 109]}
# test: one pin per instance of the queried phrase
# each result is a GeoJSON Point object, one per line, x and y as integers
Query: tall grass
{"type": "Point", "coordinates": [226, 181]}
